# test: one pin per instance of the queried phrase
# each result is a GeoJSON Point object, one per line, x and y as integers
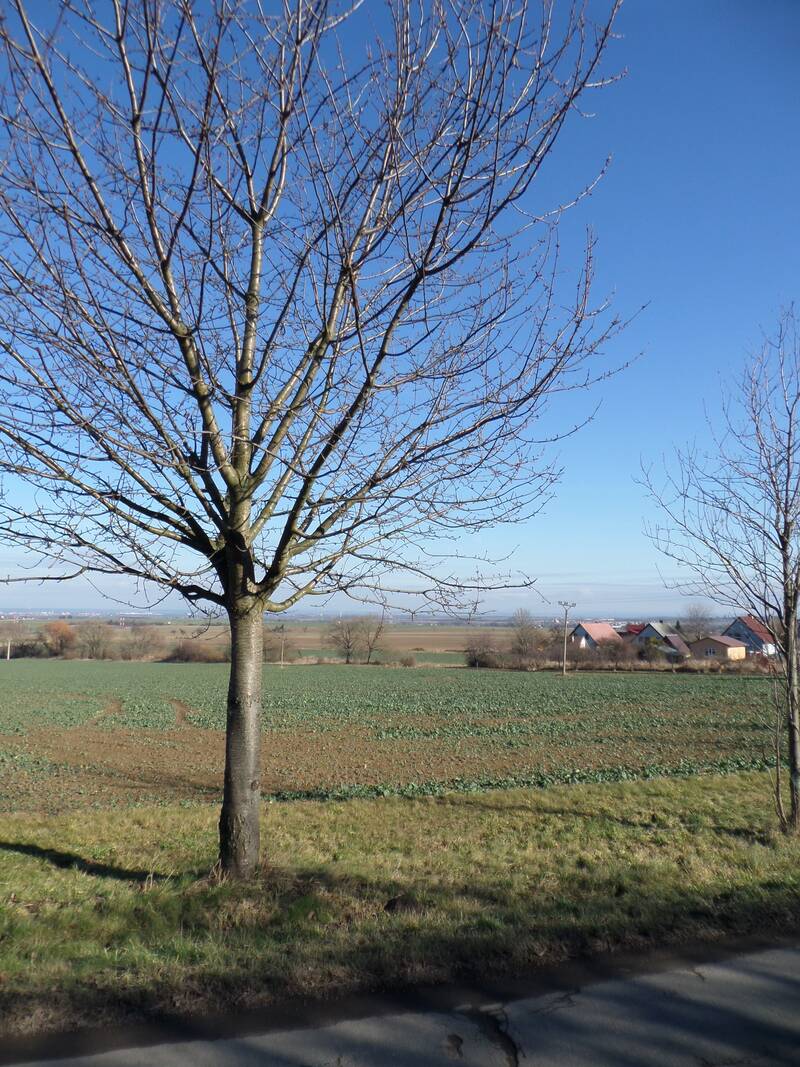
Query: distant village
{"type": "Point", "coordinates": [746, 636]}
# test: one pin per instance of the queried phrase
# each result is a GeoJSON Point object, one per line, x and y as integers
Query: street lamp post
{"type": "Point", "coordinates": [566, 605]}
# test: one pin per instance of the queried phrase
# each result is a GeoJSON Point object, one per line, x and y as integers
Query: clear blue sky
{"type": "Point", "coordinates": [699, 218]}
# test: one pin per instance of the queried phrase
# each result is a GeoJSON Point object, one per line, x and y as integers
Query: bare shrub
{"type": "Point", "coordinates": [60, 636]}
{"type": "Point", "coordinates": [141, 643]}
{"type": "Point", "coordinates": [31, 646]}
{"type": "Point", "coordinates": [482, 651]}
{"type": "Point", "coordinates": [11, 633]}
{"type": "Point", "coordinates": [346, 637]}
{"type": "Point", "coordinates": [524, 635]}
{"type": "Point", "coordinates": [373, 629]}
{"type": "Point", "coordinates": [652, 652]}
{"type": "Point", "coordinates": [196, 650]}
{"type": "Point", "coordinates": [696, 623]}
{"type": "Point", "coordinates": [619, 655]}
{"type": "Point", "coordinates": [580, 658]}
{"type": "Point", "coordinates": [94, 640]}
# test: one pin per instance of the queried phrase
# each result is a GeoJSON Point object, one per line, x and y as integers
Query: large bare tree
{"type": "Point", "coordinates": [733, 516]}
{"type": "Point", "coordinates": [279, 304]}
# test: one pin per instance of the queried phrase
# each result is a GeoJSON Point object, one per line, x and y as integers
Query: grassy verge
{"type": "Point", "coordinates": [113, 917]}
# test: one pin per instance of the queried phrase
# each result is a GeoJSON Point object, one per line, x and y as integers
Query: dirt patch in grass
{"type": "Point", "coordinates": [182, 713]}
{"type": "Point", "coordinates": [112, 710]}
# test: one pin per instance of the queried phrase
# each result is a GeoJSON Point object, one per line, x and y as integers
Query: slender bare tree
{"type": "Point", "coordinates": [524, 635]}
{"type": "Point", "coordinates": [696, 621]}
{"type": "Point", "coordinates": [373, 629]}
{"type": "Point", "coordinates": [733, 516]}
{"type": "Point", "coordinates": [279, 304]}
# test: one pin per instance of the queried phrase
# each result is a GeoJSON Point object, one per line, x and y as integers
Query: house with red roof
{"type": "Point", "coordinates": [592, 634]}
{"type": "Point", "coordinates": [757, 638]}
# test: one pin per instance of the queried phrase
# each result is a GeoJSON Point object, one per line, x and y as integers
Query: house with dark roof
{"type": "Point", "coordinates": [652, 631]}
{"type": "Point", "coordinates": [660, 636]}
{"type": "Point", "coordinates": [718, 646]}
{"type": "Point", "coordinates": [676, 646]}
{"type": "Point", "coordinates": [592, 634]}
{"type": "Point", "coordinates": [757, 638]}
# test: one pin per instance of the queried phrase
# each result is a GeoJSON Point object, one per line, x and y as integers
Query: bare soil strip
{"type": "Point", "coordinates": [182, 713]}
{"type": "Point", "coordinates": [112, 710]}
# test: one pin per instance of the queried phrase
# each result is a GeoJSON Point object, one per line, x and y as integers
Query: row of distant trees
{"type": "Point", "coordinates": [355, 640]}
{"type": "Point", "coordinates": [87, 640]}
{"type": "Point", "coordinates": [96, 639]}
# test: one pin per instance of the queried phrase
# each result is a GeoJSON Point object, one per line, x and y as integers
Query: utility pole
{"type": "Point", "coordinates": [566, 605]}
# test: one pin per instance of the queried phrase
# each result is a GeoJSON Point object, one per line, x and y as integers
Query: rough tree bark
{"type": "Point", "coordinates": [792, 665]}
{"type": "Point", "coordinates": [239, 826]}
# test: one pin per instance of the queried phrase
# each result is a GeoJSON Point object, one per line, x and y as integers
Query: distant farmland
{"type": "Point", "coordinates": [80, 733]}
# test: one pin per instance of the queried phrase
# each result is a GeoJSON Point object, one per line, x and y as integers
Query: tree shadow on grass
{"type": "Point", "coordinates": [317, 932]}
{"type": "Point", "coordinates": [751, 835]}
{"type": "Point", "coordinates": [72, 861]}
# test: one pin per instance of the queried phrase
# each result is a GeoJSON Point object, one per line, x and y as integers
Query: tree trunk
{"type": "Point", "coordinates": [239, 832]}
{"type": "Point", "coordinates": [793, 719]}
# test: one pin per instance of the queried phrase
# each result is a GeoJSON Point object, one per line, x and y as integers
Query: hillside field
{"type": "Point", "coordinates": [75, 733]}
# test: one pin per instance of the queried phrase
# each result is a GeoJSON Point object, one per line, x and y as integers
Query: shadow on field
{"type": "Point", "coordinates": [71, 861]}
{"type": "Point", "coordinates": [600, 1014]}
{"type": "Point", "coordinates": [181, 949]}
{"type": "Point", "coordinates": [666, 821]}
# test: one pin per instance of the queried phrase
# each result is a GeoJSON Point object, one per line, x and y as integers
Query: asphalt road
{"type": "Point", "coordinates": [744, 1010]}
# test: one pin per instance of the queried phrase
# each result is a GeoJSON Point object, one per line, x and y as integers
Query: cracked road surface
{"type": "Point", "coordinates": [743, 1011]}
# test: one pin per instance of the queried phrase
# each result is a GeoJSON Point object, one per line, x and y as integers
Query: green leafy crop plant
{"type": "Point", "coordinates": [415, 727]}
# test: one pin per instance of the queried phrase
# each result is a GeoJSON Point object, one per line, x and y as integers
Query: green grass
{"type": "Point", "coordinates": [115, 917]}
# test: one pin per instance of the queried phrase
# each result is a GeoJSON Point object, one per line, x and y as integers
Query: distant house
{"type": "Point", "coordinates": [718, 646]}
{"type": "Point", "coordinates": [592, 634]}
{"type": "Point", "coordinates": [676, 646]}
{"type": "Point", "coordinates": [757, 638]}
{"type": "Point", "coordinates": [662, 637]}
{"type": "Point", "coordinates": [652, 631]}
